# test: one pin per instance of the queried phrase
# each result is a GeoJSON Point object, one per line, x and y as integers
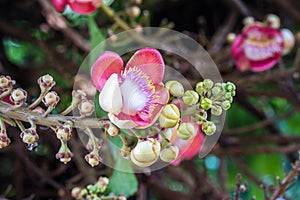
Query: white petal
{"type": "Point", "coordinates": [123, 124]}
{"type": "Point", "coordinates": [110, 97]}
{"type": "Point", "coordinates": [134, 99]}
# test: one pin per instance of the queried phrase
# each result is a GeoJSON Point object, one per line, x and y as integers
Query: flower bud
{"type": "Point", "coordinates": [46, 82]}
{"type": "Point", "coordinates": [134, 11]}
{"type": "Point", "coordinates": [64, 154]}
{"type": "Point", "coordinates": [231, 37]}
{"type": "Point", "coordinates": [112, 130]}
{"type": "Point", "coordinates": [248, 21]}
{"type": "Point", "coordinates": [86, 108]}
{"type": "Point", "coordinates": [273, 21]}
{"type": "Point", "coordinates": [79, 94]}
{"type": "Point", "coordinates": [4, 140]}
{"type": "Point", "coordinates": [93, 158]}
{"type": "Point", "coordinates": [209, 128]}
{"type": "Point", "coordinates": [145, 153]}
{"type": "Point", "coordinates": [175, 88]}
{"type": "Point", "coordinates": [289, 40]}
{"type": "Point", "coordinates": [4, 82]}
{"type": "Point", "coordinates": [199, 117]}
{"type": "Point", "coordinates": [216, 110]}
{"type": "Point", "coordinates": [29, 136]}
{"type": "Point", "coordinates": [216, 90]}
{"type": "Point", "coordinates": [190, 97]}
{"type": "Point", "coordinates": [51, 99]}
{"type": "Point", "coordinates": [169, 154]}
{"type": "Point", "coordinates": [64, 132]}
{"type": "Point", "coordinates": [186, 131]}
{"type": "Point", "coordinates": [169, 116]}
{"type": "Point", "coordinates": [18, 96]}
{"type": "Point", "coordinates": [76, 193]}
{"type": "Point", "coordinates": [103, 181]}
{"type": "Point", "coordinates": [205, 103]}
{"type": "Point", "coordinates": [208, 84]}
{"type": "Point", "coordinates": [229, 87]}
{"type": "Point", "coordinates": [225, 105]}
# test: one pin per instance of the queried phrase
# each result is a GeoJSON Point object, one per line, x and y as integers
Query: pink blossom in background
{"type": "Point", "coordinates": [133, 96]}
{"type": "Point", "coordinates": [83, 7]}
{"type": "Point", "coordinates": [257, 48]}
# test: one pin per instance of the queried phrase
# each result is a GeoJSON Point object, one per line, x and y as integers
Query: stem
{"type": "Point", "coordinates": [89, 132]}
{"type": "Point", "coordinates": [7, 120]}
{"type": "Point", "coordinates": [124, 141]}
{"type": "Point", "coordinates": [22, 114]}
{"type": "Point", "coordinates": [20, 125]}
{"type": "Point", "coordinates": [37, 101]}
{"type": "Point", "coordinates": [122, 24]}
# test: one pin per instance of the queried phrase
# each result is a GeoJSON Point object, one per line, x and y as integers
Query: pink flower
{"type": "Point", "coordinates": [83, 7]}
{"type": "Point", "coordinates": [187, 148]}
{"type": "Point", "coordinates": [258, 48]}
{"type": "Point", "coordinates": [133, 96]}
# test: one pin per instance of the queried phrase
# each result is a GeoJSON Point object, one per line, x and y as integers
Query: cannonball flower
{"type": "Point", "coordinates": [133, 96]}
{"type": "Point", "coordinates": [83, 7]}
{"type": "Point", "coordinates": [257, 48]}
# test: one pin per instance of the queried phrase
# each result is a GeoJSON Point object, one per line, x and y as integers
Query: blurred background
{"type": "Point", "coordinates": [261, 137]}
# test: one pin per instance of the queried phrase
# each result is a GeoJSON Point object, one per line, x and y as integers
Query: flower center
{"type": "Point", "coordinates": [137, 90]}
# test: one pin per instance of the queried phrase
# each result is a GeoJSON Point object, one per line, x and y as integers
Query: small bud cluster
{"type": "Point", "coordinates": [95, 191]}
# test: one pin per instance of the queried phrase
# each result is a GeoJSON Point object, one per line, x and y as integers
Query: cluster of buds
{"type": "Point", "coordinates": [95, 191]}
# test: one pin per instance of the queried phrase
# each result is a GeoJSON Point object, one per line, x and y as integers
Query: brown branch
{"type": "Point", "coordinates": [241, 7]}
{"type": "Point", "coordinates": [280, 190]}
{"type": "Point", "coordinates": [56, 21]}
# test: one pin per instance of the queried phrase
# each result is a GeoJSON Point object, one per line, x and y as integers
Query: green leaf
{"type": "Point", "coordinates": [123, 182]}
{"type": "Point", "coordinates": [108, 2]}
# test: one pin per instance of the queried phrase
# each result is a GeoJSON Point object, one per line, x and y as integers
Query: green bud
{"type": "Point", "coordinates": [84, 192]}
{"type": "Point", "coordinates": [205, 103]}
{"type": "Point", "coordinates": [229, 87]}
{"type": "Point", "coordinates": [185, 131]}
{"type": "Point", "coordinates": [208, 84]}
{"type": "Point", "coordinates": [216, 110]}
{"type": "Point", "coordinates": [190, 97]}
{"type": "Point", "coordinates": [209, 128]}
{"type": "Point", "coordinates": [169, 116]}
{"type": "Point", "coordinates": [226, 104]}
{"type": "Point", "coordinates": [216, 90]}
{"type": "Point", "coordinates": [175, 88]}
{"type": "Point", "coordinates": [169, 154]}
{"type": "Point", "coordinates": [228, 95]}
{"type": "Point", "coordinates": [201, 116]}
{"type": "Point", "coordinates": [200, 89]}
{"type": "Point", "coordinates": [233, 93]}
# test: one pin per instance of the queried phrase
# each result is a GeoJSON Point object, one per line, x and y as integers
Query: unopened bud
{"type": "Point", "coordinates": [248, 21]}
{"type": "Point", "coordinates": [225, 105]}
{"type": "Point", "coordinates": [51, 99]}
{"type": "Point", "coordinates": [86, 108]}
{"type": "Point", "coordinates": [186, 131]}
{"type": "Point", "coordinates": [64, 154]}
{"type": "Point", "coordinates": [29, 136]}
{"type": "Point", "coordinates": [289, 40]}
{"type": "Point", "coordinates": [216, 110]}
{"type": "Point", "coordinates": [112, 130]}
{"type": "Point", "coordinates": [273, 21]}
{"type": "Point", "coordinates": [145, 153]}
{"type": "Point", "coordinates": [230, 38]}
{"type": "Point", "coordinates": [46, 82]}
{"type": "Point", "coordinates": [76, 193]}
{"type": "Point", "coordinates": [4, 140]}
{"type": "Point", "coordinates": [93, 158]}
{"type": "Point", "coordinates": [209, 128]}
{"type": "Point", "coordinates": [169, 154]}
{"type": "Point", "coordinates": [18, 96]}
{"type": "Point", "coordinates": [190, 97]}
{"type": "Point", "coordinates": [134, 11]}
{"type": "Point", "coordinates": [169, 116]}
{"type": "Point", "coordinates": [64, 132]}
{"type": "Point", "coordinates": [205, 103]}
{"type": "Point", "coordinates": [175, 88]}
{"type": "Point", "coordinates": [208, 84]}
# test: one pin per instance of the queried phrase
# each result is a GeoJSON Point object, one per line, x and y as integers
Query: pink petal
{"type": "Point", "coordinates": [105, 65]}
{"type": "Point", "coordinates": [122, 121]}
{"type": "Point", "coordinates": [83, 8]}
{"type": "Point", "coordinates": [258, 66]}
{"type": "Point", "coordinates": [236, 48]}
{"type": "Point", "coordinates": [59, 5]}
{"type": "Point", "coordinates": [150, 62]}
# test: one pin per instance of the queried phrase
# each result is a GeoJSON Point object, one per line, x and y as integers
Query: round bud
{"type": "Point", "coordinates": [112, 130]}
{"type": "Point", "coordinates": [64, 132]}
{"type": "Point", "coordinates": [86, 108]}
{"type": "Point", "coordinates": [134, 11]}
{"type": "Point", "coordinates": [18, 95]}
{"type": "Point", "coordinates": [169, 116]}
{"type": "Point", "coordinates": [205, 103]}
{"type": "Point", "coordinates": [208, 84]}
{"type": "Point", "coordinates": [93, 158]}
{"type": "Point", "coordinates": [289, 40]}
{"type": "Point", "coordinates": [175, 88]}
{"type": "Point", "coordinates": [230, 38]}
{"type": "Point", "coordinates": [216, 90]}
{"type": "Point", "coordinates": [4, 82]}
{"type": "Point", "coordinates": [209, 128]}
{"type": "Point", "coordinates": [76, 193]}
{"type": "Point", "coordinates": [225, 105]}
{"type": "Point", "coordinates": [169, 153]}
{"type": "Point", "coordinates": [273, 20]}
{"type": "Point", "coordinates": [190, 97]}
{"type": "Point", "coordinates": [145, 153]}
{"type": "Point", "coordinates": [186, 131]}
{"type": "Point", "coordinates": [248, 21]}
{"type": "Point", "coordinates": [229, 87]}
{"type": "Point", "coordinates": [51, 99]}
{"type": "Point", "coordinates": [216, 110]}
